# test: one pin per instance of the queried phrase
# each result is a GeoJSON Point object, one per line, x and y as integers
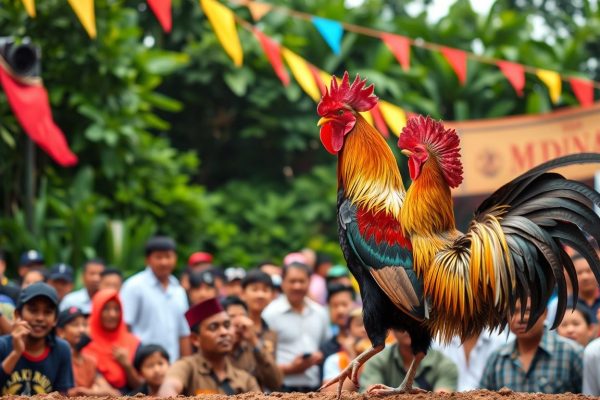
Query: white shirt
{"type": "Point", "coordinates": [79, 298]}
{"type": "Point", "coordinates": [298, 333]}
{"type": "Point", "coordinates": [469, 374]}
{"type": "Point", "coordinates": [155, 314]}
{"type": "Point", "coordinates": [591, 369]}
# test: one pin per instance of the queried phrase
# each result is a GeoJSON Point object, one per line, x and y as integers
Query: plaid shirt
{"type": "Point", "coordinates": [557, 367]}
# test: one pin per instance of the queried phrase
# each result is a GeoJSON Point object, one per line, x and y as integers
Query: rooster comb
{"type": "Point", "coordinates": [355, 95]}
{"type": "Point", "coordinates": [442, 143]}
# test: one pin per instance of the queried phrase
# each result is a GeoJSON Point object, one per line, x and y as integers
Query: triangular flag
{"type": "Point", "coordinates": [332, 32]}
{"type": "Point", "coordinates": [458, 61]}
{"type": "Point", "coordinates": [394, 116]}
{"type": "Point", "coordinates": [84, 9]}
{"type": "Point", "coordinates": [515, 73]}
{"type": "Point", "coordinates": [162, 11]}
{"type": "Point", "coordinates": [552, 80]}
{"type": "Point", "coordinates": [322, 78]}
{"type": "Point", "coordinates": [32, 109]}
{"type": "Point", "coordinates": [223, 23]}
{"type": "Point", "coordinates": [29, 7]}
{"type": "Point", "coordinates": [400, 48]}
{"type": "Point", "coordinates": [584, 91]}
{"type": "Point", "coordinates": [273, 52]}
{"type": "Point", "coordinates": [379, 122]}
{"type": "Point", "coordinates": [258, 10]}
{"type": "Point", "coordinates": [301, 71]}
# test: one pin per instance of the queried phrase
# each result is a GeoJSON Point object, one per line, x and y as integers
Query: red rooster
{"type": "Point", "coordinates": [415, 271]}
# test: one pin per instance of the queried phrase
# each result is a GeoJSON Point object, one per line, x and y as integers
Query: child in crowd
{"type": "Point", "coordinates": [34, 360]}
{"type": "Point", "coordinates": [577, 324]}
{"type": "Point", "coordinates": [152, 363]}
{"type": "Point", "coordinates": [72, 327]}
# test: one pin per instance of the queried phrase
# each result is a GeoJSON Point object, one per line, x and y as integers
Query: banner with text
{"type": "Point", "coordinates": [497, 150]}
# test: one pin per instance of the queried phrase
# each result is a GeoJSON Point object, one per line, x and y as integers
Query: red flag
{"type": "Point", "coordinates": [458, 61]}
{"type": "Point", "coordinates": [515, 73]}
{"type": "Point", "coordinates": [584, 91]}
{"type": "Point", "coordinates": [162, 11]}
{"type": "Point", "coordinates": [400, 48]}
{"type": "Point", "coordinates": [317, 77]}
{"type": "Point", "coordinates": [273, 52]}
{"type": "Point", "coordinates": [31, 107]}
{"type": "Point", "coordinates": [379, 121]}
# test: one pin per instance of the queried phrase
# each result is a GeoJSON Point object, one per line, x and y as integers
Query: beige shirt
{"type": "Point", "coordinates": [260, 362]}
{"type": "Point", "coordinates": [196, 374]}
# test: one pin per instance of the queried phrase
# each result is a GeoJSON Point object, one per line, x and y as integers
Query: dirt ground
{"type": "Point", "coordinates": [478, 394]}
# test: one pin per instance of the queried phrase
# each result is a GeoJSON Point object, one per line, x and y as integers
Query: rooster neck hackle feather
{"type": "Point", "coordinates": [368, 172]}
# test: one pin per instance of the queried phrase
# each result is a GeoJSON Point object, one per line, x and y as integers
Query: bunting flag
{"type": "Point", "coordinates": [273, 52]}
{"type": "Point", "coordinates": [301, 71]}
{"type": "Point", "coordinates": [515, 73]}
{"type": "Point", "coordinates": [29, 7]}
{"type": "Point", "coordinates": [258, 10]}
{"type": "Point", "coordinates": [332, 32]}
{"type": "Point", "coordinates": [584, 91]}
{"type": "Point", "coordinates": [400, 48]}
{"type": "Point", "coordinates": [552, 80]}
{"type": "Point", "coordinates": [84, 9]}
{"type": "Point", "coordinates": [394, 116]}
{"type": "Point", "coordinates": [223, 23]}
{"type": "Point", "coordinates": [322, 78]}
{"type": "Point", "coordinates": [379, 122]}
{"type": "Point", "coordinates": [162, 11]}
{"type": "Point", "coordinates": [458, 62]}
{"type": "Point", "coordinates": [29, 103]}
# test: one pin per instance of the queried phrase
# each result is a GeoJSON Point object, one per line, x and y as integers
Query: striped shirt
{"type": "Point", "coordinates": [557, 367]}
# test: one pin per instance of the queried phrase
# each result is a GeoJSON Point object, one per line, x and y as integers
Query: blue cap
{"type": "Point", "coordinates": [31, 257]}
{"type": "Point", "coordinates": [61, 272]}
{"type": "Point", "coordinates": [38, 289]}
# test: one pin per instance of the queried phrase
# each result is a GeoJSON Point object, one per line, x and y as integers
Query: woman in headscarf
{"type": "Point", "coordinates": [112, 345]}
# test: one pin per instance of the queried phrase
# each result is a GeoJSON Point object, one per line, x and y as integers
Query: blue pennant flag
{"type": "Point", "coordinates": [332, 32]}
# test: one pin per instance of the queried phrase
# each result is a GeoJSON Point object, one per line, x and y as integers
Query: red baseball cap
{"type": "Point", "coordinates": [200, 257]}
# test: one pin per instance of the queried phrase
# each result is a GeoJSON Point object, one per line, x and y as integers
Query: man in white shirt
{"type": "Point", "coordinates": [302, 326]}
{"type": "Point", "coordinates": [154, 303]}
{"type": "Point", "coordinates": [591, 369]}
{"type": "Point", "coordinates": [82, 298]}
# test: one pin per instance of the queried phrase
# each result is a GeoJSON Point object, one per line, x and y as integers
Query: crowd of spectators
{"type": "Point", "coordinates": [289, 327]}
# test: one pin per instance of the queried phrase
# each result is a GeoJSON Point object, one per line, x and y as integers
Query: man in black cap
{"type": "Point", "coordinates": [31, 259]}
{"type": "Point", "coordinates": [209, 370]}
{"type": "Point", "coordinates": [61, 279]}
{"type": "Point", "coordinates": [202, 286]}
{"type": "Point", "coordinates": [154, 303]}
{"type": "Point", "coordinates": [34, 360]}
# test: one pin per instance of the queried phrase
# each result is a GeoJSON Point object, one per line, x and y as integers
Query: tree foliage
{"type": "Point", "coordinates": [142, 108]}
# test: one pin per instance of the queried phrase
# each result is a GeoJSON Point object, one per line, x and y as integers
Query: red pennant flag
{"type": "Point", "coordinates": [515, 73]}
{"type": "Point", "coordinates": [317, 77]}
{"type": "Point", "coordinates": [584, 91]}
{"type": "Point", "coordinates": [31, 107]}
{"type": "Point", "coordinates": [379, 121]}
{"type": "Point", "coordinates": [273, 52]}
{"type": "Point", "coordinates": [458, 61]}
{"type": "Point", "coordinates": [400, 48]}
{"type": "Point", "coordinates": [162, 11]}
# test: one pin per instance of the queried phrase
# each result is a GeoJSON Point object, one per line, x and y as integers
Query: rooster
{"type": "Point", "coordinates": [415, 270]}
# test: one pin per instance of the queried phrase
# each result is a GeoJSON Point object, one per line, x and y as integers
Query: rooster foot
{"type": "Point", "coordinates": [350, 372]}
{"type": "Point", "coordinates": [383, 390]}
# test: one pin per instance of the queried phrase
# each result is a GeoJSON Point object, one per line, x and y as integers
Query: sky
{"type": "Point", "coordinates": [439, 8]}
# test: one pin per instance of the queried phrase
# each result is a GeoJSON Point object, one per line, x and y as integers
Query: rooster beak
{"type": "Point", "coordinates": [323, 121]}
{"type": "Point", "coordinates": [406, 152]}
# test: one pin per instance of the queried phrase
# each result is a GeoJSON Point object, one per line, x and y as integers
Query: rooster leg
{"type": "Point", "coordinates": [351, 371]}
{"type": "Point", "coordinates": [406, 387]}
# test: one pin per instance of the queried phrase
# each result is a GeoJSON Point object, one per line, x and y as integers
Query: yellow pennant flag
{"type": "Point", "coordinates": [29, 7]}
{"type": "Point", "coordinates": [84, 9]}
{"type": "Point", "coordinates": [223, 23]}
{"type": "Point", "coordinates": [258, 10]}
{"type": "Point", "coordinates": [552, 81]}
{"type": "Point", "coordinates": [301, 72]}
{"type": "Point", "coordinates": [394, 116]}
{"type": "Point", "coordinates": [367, 115]}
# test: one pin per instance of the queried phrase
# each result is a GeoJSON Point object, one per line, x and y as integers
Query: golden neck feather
{"type": "Point", "coordinates": [428, 209]}
{"type": "Point", "coordinates": [368, 171]}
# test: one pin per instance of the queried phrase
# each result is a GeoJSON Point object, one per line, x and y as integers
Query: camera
{"type": "Point", "coordinates": [24, 58]}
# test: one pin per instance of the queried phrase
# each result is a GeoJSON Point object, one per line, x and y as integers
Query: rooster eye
{"type": "Point", "coordinates": [340, 112]}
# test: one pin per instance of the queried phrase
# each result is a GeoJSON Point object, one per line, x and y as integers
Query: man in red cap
{"type": "Point", "coordinates": [209, 370]}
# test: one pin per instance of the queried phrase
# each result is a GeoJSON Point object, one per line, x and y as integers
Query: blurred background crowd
{"type": "Point", "coordinates": [289, 326]}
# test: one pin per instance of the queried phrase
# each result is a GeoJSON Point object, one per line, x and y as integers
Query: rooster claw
{"type": "Point", "coordinates": [383, 390]}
